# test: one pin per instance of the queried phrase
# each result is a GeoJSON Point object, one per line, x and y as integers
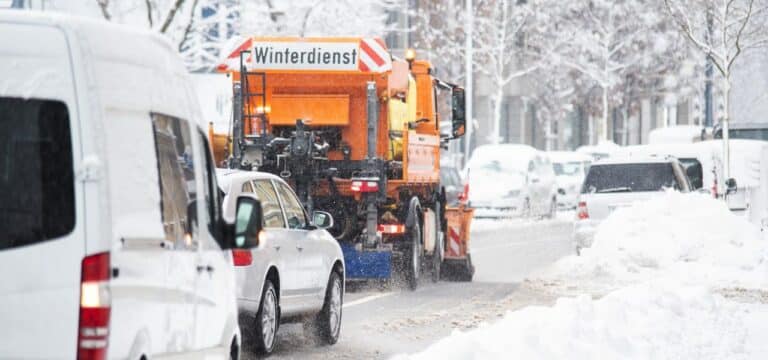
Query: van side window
{"type": "Point", "coordinates": [270, 205]}
{"type": "Point", "coordinates": [247, 187]}
{"type": "Point", "coordinates": [294, 212]}
{"type": "Point", "coordinates": [37, 201]}
{"type": "Point", "coordinates": [178, 187]}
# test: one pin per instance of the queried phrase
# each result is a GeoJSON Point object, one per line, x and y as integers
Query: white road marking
{"type": "Point", "coordinates": [367, 299]}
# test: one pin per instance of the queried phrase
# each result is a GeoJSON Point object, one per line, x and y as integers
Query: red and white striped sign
{"type": "Point", "coordinates": [232, 61]}
{"type": "Point", "coordinates": [374, 56]}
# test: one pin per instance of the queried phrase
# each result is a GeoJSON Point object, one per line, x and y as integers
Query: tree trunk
{"type": "Point", "coordinates": [497, 104]}
{"type": "Point", "coordinates": [604, 123]}
{"type": "Point", "coordinates": [726, 126]}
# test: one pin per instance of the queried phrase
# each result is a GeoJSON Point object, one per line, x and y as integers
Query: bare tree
{"type": "Point", "coordinates": [723, 30]}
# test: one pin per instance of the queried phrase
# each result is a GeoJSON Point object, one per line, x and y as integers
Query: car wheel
{"type": "Point", "coordinates": [414, 257]}
{"type": "Point", "coordinates": [267, 320]}
{"type": "Point", "coordinates": [328, 323]}
{"type": "Point", "coordinates": [437, 255]}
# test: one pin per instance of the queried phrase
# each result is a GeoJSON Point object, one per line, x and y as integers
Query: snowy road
{"type": "Point", "coordinates": [381, 323]}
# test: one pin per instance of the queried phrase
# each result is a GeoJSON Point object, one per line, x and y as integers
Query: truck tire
{"type": "Point", "coordinates": [437, 254]}
{"type": "Point", "coordinates": [327, 324]}
{"type": "Point", "coordinates": [414, 257]}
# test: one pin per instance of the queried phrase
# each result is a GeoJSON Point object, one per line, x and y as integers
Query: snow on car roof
{"type": "Point", "coordinates": [516, 154]}
{"type": "Point", "coordinates": [567, 156]}
{"type": "Point", "coordinates": [641, 159]}
{"type": "Point", "coordinates": [226, 177]}
{"type": "Point", "coordinates": [680, 134]}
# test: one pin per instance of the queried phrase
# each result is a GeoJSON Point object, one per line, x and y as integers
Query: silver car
{"type": "Point", "coordinates": [296, 273]}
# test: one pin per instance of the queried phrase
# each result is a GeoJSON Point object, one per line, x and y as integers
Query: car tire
{"type": "Point", "coordinates": [437, 254]}
{"type": "Point", "coordinates": [267, 321]}
{"type": "Point", "coordinates": [413, 264]}
{"type": "Point", "coordinates": [552, 209]}
{"type": "Point", "coordinates": [327, 324]}
{"type": "Point", "coordinates": [527, 212]}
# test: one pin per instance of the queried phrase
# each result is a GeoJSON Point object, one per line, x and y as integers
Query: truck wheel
{"type": "Point", "coordinates": [266, 320]}
{"type": "Point", "coordinates": [437, 254]}
{"type": "Point", "coordinates": [413, 270]}
{"type": "Point", "coordinates": [328, 323]}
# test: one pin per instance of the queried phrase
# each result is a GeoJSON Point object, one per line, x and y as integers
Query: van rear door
{"type": "Point", "coordinates": [42, 239]}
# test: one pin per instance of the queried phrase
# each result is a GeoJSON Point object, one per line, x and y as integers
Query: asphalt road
{"type": "Point", "coordinates": [379, 322]}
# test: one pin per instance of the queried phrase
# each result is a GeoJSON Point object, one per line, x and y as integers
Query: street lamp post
{"type": "Point", "coordinates": [469, 96]}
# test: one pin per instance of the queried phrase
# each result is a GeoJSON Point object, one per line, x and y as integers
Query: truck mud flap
{"type": "Point", "coordinates": [369, 264]}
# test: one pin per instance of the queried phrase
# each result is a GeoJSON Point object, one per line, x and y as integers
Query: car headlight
{"type": "Point", "coordinates": [512, 194]}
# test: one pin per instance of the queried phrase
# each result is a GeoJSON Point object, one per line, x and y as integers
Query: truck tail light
{"type": "Point", "coordinates": [581, 211]}
{"type": "Point", "coordinates": [242, 257]}
{"type": "Point", "coordinates": [464, 196]}
{"type": "Point", "coordinates": [95, 307]}
{"type": "Point", "coordinates": [714, 189]}
{"type": "Point", "coordinates": [392, 229]}
{"type": "Point", "coordinates": [369, 185]}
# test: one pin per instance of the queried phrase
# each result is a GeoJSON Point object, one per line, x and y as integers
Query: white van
{"type": "Point", "coordinates": [111, 234]}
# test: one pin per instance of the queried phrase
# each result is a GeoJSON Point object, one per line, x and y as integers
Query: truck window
{"type": "Point", "coordinates": [37, 201]}
{"type": "Point", "coordinates": [178, 187]}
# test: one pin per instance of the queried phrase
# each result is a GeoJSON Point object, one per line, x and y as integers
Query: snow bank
{"type": "Point", "coordinates": [637, 322]}
{"type": "Point", "coordinates": [690, 237]}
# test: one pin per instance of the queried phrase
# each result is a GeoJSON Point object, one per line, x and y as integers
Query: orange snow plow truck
{"type": "Point", "coordinates": [357, 133]}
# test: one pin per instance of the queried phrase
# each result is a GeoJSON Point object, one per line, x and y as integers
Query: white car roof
{"type": "Point", "coordinates": [228, 177]}
{"type": "Point", "coordinates": [634, 160]}
{"type": "Point", "coordinates": [567, 156]}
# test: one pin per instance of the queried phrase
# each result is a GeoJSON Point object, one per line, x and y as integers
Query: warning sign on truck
{"type": "Point", "coordinates": [368, 55]}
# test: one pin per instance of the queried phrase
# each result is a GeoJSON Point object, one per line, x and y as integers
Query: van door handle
{"type": "Point", "coordinates": [299, 247]}
{"type": "Point", "coordinates": [208, 268]}
{"type": "Point", "coordinates": [277, 247]}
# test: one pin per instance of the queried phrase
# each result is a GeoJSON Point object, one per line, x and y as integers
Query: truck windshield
{"type": "Point", "coordinates": [629, 178]}
{"type": "Point", "coordinates": [37, 201]}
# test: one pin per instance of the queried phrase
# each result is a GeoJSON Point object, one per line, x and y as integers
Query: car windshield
{"type": "Point", "coordinates": [572, 168]}
{"type": "Point", "coordinates": [497, 166]}
{"type": "Point", "coordinates": [629, 178]}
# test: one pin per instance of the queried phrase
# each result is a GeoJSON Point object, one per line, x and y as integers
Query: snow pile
{"type": "Point", "coordinates": [690, 237]}
{"type": "Point", "coordinates": [637, 322]}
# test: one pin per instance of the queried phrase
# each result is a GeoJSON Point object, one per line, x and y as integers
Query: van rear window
{"type": "Point", "coordinates": [612, 178]}
{"type": "Point", "coordinates": [37, 186]}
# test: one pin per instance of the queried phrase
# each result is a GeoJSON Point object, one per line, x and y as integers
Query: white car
{"type": "Point", "coordinates": [570, 169]}
{"type": "Point", "coordinates": [615, 183]}
{"type": "Point", "coordinates": [511, 180]}
{"type": "Point", "coordinates": [113, 245]}
{"type": "Point", "coordinates": [297, 271]}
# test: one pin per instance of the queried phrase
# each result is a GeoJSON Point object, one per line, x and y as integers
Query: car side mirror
{"type": "Point", "coordinates": [458, 112]}
{"type": "Point", "coordinates": [322, 219]}
{"type": "Point", "coordinates": [248, 222]}
{"type": "Point", "coordinates": [730, 185]}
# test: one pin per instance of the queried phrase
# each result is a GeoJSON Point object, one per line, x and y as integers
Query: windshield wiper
{"type": "Point", "coordinates": [615, 190]}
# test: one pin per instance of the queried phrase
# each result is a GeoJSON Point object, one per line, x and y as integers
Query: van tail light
{"type": "Point", "coordinates": [365, 185]}
{"type": "Point", "coordinates": [242, 257]}
{"type": "Point", "coordinates": [95, 307]}
{"type": "Point", "coordinates": [714, 189]}
{"type": "Point", "coordinates": [581, 211]}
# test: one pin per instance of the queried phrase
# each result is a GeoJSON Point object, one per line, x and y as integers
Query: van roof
{"type": "Point", "coordinates": [130, 68]}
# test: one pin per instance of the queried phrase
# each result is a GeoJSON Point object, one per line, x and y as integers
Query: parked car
{"type": "Point", "coordinates": [615, 183]}
{"type": "Point", "coordinates": [570, 169]}
{"type": "Point", "coordinates": [702, 162]}
{"type": "Point", "coordinates": [511, 180]}
{"type": "Point", "coordinates": [113, 245]}
{"type": "Point", "coordinates": [748, 194]}
{"type": "Point", "coordinates": [297, 271]}
{"type": "Point", "coordinates": [450, 179]}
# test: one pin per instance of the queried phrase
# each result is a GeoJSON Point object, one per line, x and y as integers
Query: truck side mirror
{"type": "Point", "coordinates": [458, 113]}
{"type": "Point", "coordinates": [730, 185]}
{"type": "Point", "coordinates": [248, 222]}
